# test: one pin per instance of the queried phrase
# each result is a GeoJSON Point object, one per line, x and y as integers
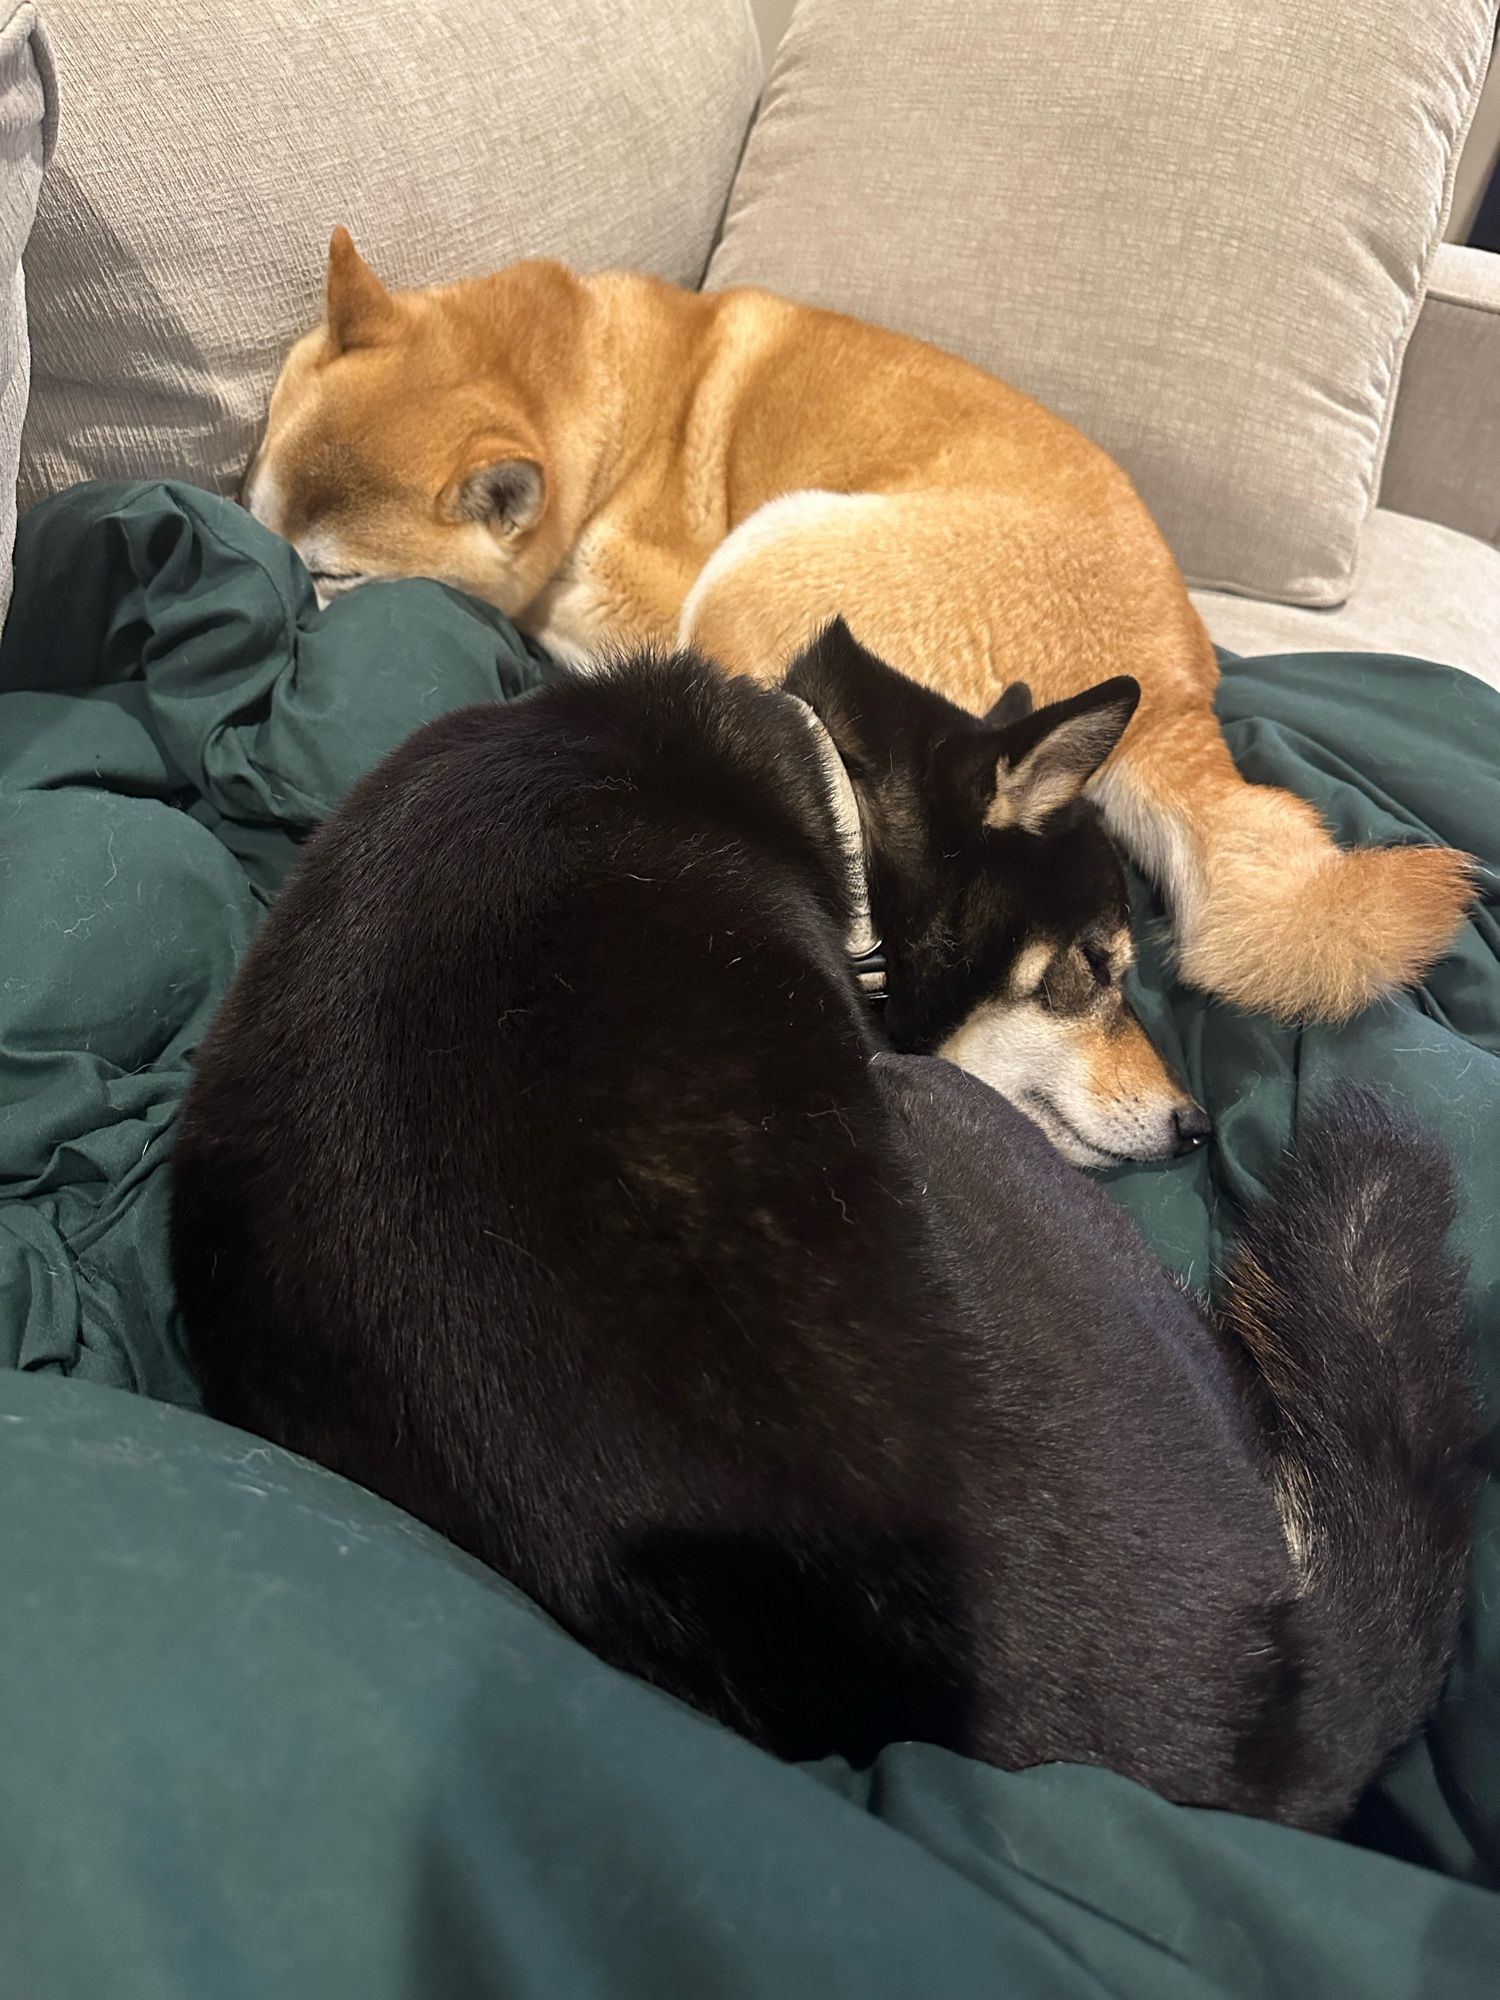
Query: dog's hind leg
{"type": "Point", "coordinates": [808, 557]}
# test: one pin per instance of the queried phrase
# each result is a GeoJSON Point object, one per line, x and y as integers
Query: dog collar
{"type": "Point", "coordinates": [865, 949]}
{"type": "Point", "coordinates": [868, 968]}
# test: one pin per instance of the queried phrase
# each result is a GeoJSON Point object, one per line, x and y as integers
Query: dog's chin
{"type": "Point", "coordinates": [1076, 1146]}
{"type": "Point", "coordinates": [1022, 1053]}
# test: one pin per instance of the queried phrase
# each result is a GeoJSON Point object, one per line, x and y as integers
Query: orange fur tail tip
{"type": "Point", "coordinates": [1317, 936]}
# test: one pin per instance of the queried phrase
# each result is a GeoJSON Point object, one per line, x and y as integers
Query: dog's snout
{"type": "Point", "coordinates": [1190, 1127]}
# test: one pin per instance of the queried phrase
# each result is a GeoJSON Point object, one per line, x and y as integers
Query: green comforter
{"type": "Point", "coordinates": [266, 1737]}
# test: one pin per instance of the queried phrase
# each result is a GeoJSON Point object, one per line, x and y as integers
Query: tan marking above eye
{"type": "Point", "coordinates": [1029, 970]}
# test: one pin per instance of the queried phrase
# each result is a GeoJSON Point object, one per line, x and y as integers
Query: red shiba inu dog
{"type": "Point", "coordinates": [614, 461]}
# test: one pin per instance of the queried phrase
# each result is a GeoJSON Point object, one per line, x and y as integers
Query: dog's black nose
{"type": "Point", "coordinates": [1191, 1128]}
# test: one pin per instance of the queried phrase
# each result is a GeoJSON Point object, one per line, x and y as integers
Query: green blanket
{"type": "Point", "coordinates": [266, 1737]}
{"type": "Point", "coordinates": [175, 714]}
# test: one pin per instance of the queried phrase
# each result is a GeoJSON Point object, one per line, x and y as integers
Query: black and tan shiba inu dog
{"type": "Point", "coordinates": [547, 1171]}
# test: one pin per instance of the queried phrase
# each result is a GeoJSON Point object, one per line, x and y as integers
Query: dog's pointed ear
{"type": "Point", "coordinates": [1011, 707]}
{"type": "Point", "coordinates": [834, 656]}
{"type": "Point", "coordinates": [502, 488]}
{"type": "Point", "coordinates": [1047, 757]}
{"type": "Point", "coordinates": [869, 709]}
{"type": "Point", "coordinates": [360, 312]}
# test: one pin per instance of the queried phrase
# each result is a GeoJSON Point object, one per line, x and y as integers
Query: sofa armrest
{"type": "Point", "coordinates": [1443, 462]}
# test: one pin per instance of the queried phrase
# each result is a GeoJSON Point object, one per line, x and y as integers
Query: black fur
{"type": "Point", "coordinates": [955, 900]}
{"type": "Point", "coordinates": [544, 1173]}
{"type": "Point", "coordinates": [1353, 1314]}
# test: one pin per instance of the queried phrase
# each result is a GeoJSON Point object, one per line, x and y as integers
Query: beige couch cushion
{"type": "Point", "coordinates": [1420, 589]}
{"type": "Point", "coordinates": [1444, 458]}
{"type": "Point", "coordinates": [1196, 227]}
{"type": "Point", "coordinates": [209, 147]}
{"type": "Point", "coordinates": [27, 127]}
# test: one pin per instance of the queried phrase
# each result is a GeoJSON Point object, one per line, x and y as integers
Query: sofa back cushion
{"type": "Point", "coordinates": [210, 147]}
{"type": "Point", "coordinates": [1198, 229]}
{"type": "Point", "coordinates": [28, 123]}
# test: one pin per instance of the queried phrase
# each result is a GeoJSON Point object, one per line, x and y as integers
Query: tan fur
{"type": "Point", "coordinates": [1124, 1065]}
{"type": "Point", "coordinates": [1071, 1053]}
{"type": "Point", "coordinates": [1029, 970]}
{"type": "Point", "coordinates": [1091, 1079]}
{"type": "Point", "coordinates": [967, 535]}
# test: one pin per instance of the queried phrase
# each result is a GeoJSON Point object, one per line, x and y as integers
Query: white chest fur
{"type": "Point", "coordinates": [568, 619]}
{"type": "Point", "coordinates": [583, 611]}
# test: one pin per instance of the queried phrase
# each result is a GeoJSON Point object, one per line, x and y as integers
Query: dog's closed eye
{"type": "Point", "coordinates": [1099, 963]}
{"type": "Point", "coordinates": [331, 583]}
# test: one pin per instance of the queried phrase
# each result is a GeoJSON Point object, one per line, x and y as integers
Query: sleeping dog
{"type": "Point", "coordinates": [549, 1170]}
{"type": "Point", "coordinates": [616, 462]}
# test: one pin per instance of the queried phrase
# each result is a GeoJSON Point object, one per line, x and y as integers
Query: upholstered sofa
{"type": "Point", "coordinates": [265, 1738]}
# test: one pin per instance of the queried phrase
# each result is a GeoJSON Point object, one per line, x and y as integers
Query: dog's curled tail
{"type": "Point", "coordinates": [1351, 1307]}
{"type": "Point", "coordinates": [1269, 911]}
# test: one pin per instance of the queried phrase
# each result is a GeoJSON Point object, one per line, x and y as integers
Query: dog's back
{"type": "Point", "coordinates": [560, 1206]}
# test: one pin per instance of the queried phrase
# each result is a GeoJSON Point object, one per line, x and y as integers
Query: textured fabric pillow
{"type": "Point", "coordinates": [210, 146]}
{"type": "Point", "coordinates": [28, 124]}
{"type": "Point", "coordinates": [1196, 228]}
